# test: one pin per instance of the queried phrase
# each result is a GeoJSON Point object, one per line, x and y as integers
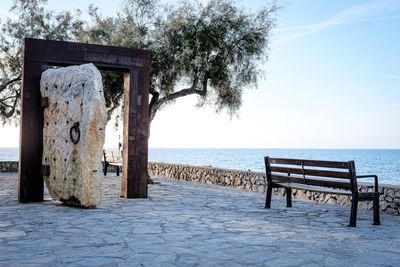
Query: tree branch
{"type": "Point", "coordinates": [157, 102]}
{"type": "Point", "coordinates": [10, 113]}
{"type": "Point", "coordinates": [154, 99]}
{"type": "Point", "coordinates": [4, 85]}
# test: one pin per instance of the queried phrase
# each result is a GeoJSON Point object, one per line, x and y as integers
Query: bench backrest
{"type": "Point", "coordinates": [112, 155]}
{"type": "Point", "coordinates": [334, 174]}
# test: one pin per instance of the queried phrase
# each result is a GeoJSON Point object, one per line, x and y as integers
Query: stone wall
{"type": "Point", "coordinates": [8, 166]}
{"type": "Point", "coordinates": [255, 181]}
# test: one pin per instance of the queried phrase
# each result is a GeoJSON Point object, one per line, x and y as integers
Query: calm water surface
{"type": "Point", "coordinates": [383, 162]}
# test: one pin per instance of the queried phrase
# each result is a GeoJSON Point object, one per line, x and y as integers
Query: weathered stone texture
{"type": "Point", "coordinates": [256, 181]}
{"type": "Point", "coordinates": [76, 98]}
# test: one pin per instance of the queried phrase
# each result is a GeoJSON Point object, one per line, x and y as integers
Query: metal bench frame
{"type": "Point", "coordinates": [113, 160]}
{"type": "Point", "coordinates": [319, 176]}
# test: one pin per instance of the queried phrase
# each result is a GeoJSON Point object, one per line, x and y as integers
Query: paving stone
{"type": "Point", "coordinates": [189, 224]}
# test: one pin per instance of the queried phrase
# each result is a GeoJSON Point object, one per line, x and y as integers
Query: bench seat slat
{"type": "Point", "coordinates": [114, 163]}
{"type": "Point", "coordinates": [322, 173]}
{"type": "Point", "coordinates": [314, 181]}
{"type": "Point", "coordinates": [313, 163]}
{"type": "Point", "coordinates": [113, 156]}
{"type": "Point", "coordinates": [315, 188]}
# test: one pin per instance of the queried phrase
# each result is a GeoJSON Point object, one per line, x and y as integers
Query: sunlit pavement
{"type": "Point", "coordinates": [189, 224]}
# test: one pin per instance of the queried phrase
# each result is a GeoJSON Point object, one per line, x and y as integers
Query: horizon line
{"type": "Point", "coordinates": [262, 148]}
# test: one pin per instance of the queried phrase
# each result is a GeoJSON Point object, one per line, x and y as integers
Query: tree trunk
{"type": "Point", "coordinates": [157, 102]}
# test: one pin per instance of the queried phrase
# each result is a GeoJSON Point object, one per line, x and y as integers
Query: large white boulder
{"type": "Point", "coordinates": [73, 134]}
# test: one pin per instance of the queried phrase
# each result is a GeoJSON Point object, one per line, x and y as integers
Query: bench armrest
{"type": "Point", "coordinates": [370, 176]}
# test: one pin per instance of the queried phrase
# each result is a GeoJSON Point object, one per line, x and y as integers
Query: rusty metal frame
{"type": "Point", "coordinates": [38, 55]}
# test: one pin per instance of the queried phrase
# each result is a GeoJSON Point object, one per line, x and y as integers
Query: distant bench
{"type": "Point", "coordinates": [332, 177]}
{"type": "Point", "coordinates": [112, 158]}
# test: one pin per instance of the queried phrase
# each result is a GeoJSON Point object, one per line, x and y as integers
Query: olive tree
{"type": "Point", "coordinates": [211, 50]}
{"type": "Point", "coordinates": [215, 49]}
{"type": "Point", "coordinates": [29, 19]}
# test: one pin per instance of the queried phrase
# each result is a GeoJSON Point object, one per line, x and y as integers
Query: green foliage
{"type": "Point", "coordinates": [29, 19]}
{"type": "Point", "coordinates": [210, 50]}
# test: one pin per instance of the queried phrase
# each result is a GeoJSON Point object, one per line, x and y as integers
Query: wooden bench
{"type": "Point", "coordinates": [331, 177]}
{"type": "Point", "coordinates": [112, 158]}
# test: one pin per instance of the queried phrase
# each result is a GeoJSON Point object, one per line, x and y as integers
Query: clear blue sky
{"type": "Point", "coordinates": [332, 81]}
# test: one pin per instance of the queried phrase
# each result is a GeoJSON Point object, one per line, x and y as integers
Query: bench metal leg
{"type": "Point", "coordinates": [105, 169]}
{"type": "Point", "coordinates": [289, 197]}
{"type": "Point", "coordinates": [268, 197]}
{"type": "Point", "coordinates": [117, 170]}
{"type": "Point", "coordinates": [377, 221]}
{"type": "Point", "coordinates": [353, 213]}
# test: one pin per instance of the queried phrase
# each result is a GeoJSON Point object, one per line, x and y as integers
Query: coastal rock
{"type": "Point", "coordinates": [390, 193]}
{"type": "Point", "coordinates": [389, 199]}
{"type": "Point", "coordinates": [261, 189]}
{"type": "Point", "coordinates": [73, 134]}
{"type": "Point", "coordinates": [343, 200]}
{"type": "Point", "coordinates": [301, 194]}
{"type": "Point", "coordinates": [8, 166]}
{"type": "Point", "coordinates": [331, 201]}
{"type": "Point", "coordinates": [237, 182]}
{"type": "Point", "coordinates": [383, 205]}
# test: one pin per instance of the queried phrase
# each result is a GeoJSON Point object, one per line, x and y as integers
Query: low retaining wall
{"type": "Point", "coordinates": [8, 166]}
{"type": "Point", "coordinates": [255, 181]}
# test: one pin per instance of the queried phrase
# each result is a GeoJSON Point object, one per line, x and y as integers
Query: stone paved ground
{"type": "Point", "coordinates": [189, 224]}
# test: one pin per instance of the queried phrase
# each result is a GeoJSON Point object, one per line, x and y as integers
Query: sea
{"type": "Point", "coordinates": [383, 162]}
